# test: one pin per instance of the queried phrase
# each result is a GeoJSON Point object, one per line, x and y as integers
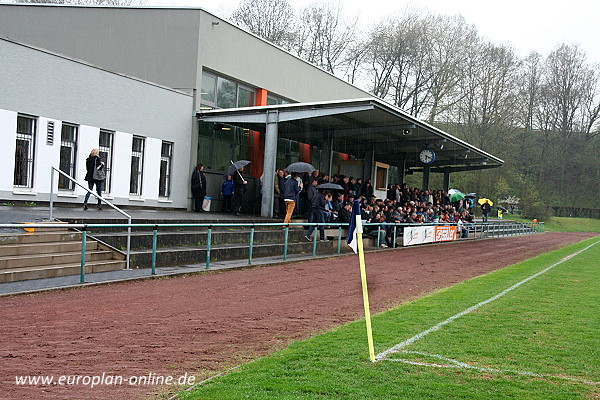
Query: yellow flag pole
{"type": "Point", "coordinates": [365, 292]}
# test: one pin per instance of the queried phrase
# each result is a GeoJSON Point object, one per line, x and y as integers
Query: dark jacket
{"type": "Point", "coordinates": [290, 189]}
{"type": "Point", "coordinates": [90, 164]}
{"type": "Point", "coordinates": [318, 201]}
{"type": "Point", "coordinates": [198, 182]}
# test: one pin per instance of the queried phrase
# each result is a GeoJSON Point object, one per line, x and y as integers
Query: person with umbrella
{"type": "Point", "coordinates": [316, 214]}
{"type": "Point", "coordinates": [486, 207]}
{"type": "Point", "coordinates": [239, 187]}
{"type": "Point", "coordinates": [290, 192]}
{"type": "Point", "coordinates": [198, 187]}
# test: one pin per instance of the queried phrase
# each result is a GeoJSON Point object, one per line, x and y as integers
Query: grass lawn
{"type": "Point", "coordinates": [538, 341]}
{"type": "Point", "coordinates": [565, 224]}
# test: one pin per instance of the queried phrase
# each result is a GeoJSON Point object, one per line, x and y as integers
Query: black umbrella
{"type": "Point", "coordinates": [300, 167]}
{"type": "Point", "coordinates": [235, 166]}
{"type": "Point", "coordinates": [502, 208]}
{"type": "Point", "coordinates": [330, 186]}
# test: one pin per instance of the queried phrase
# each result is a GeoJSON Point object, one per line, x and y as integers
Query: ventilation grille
{"type": "Point", "coordinates": [50, 134]}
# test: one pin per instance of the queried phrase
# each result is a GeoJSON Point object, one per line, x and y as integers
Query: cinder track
{"type": "Point", "coordinates": [205, 323]}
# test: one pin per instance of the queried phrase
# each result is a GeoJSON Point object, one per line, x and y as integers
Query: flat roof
{"type": "Point", "coordinates": [356, 126]}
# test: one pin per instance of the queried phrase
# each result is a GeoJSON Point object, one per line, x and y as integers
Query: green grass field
{"type": "Point", "coordinates": [565, 224]}
{"type": "Point", "coordinates": [539, 341]}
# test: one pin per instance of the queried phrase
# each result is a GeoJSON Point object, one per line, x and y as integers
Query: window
{"type": "Point", "coordinates": [106, 154]}
{"type": "Point", "coordinates": [226, 93]}
{"type": "Point", "coordinates": [137, 165]}
{"type": "Point", "coordinates": [164, 182]}
{"type": "Point", "coordinates": [68, 155]}
{"type": "Point", "coordinates": [209, 83]}
{"type": "Point", "coordinates": [23, 174]}
{"type": "Point", "coordinates": [221, 92]}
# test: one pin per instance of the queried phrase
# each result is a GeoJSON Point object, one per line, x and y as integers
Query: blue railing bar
{"type": "Point", "coordinates": [251, 245]}
{"type": "Point", "coordinates": [83, 253]}
{"type": "Point", "coordinates": [285, 242]}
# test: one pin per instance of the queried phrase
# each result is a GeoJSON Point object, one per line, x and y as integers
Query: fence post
{"type": "Point", "coordinates": [83, 251]}
{"type": "Point", "coordinates": [316, 233]}
{"type": "Point", "coordinates": [339, 250]}
{"type": "Point", "coordinates": [154, 240]}
{"type": "Point", "coordinates": [394, 242]}
{"type": "Point", "coordinates": [285, 242]}
{"type": "Point", "coordinates": [251, 244]}
{"type": "Point", "coordinates": [51, 193]}
{"type": "Point", "coordinates": [378, 234]}
{"type": "Point", "coordinates": [208, 246]}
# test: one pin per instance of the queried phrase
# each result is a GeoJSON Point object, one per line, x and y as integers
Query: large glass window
{"type": "Point", "coordinates": [137, 165]}
{"type": "Point", "coordinates": [226, 93]}
{"type": "Point", "coordinates": [164, 181]}
{"type": "Point", "coordinates": [24, 155]}
{"type": "Point", "coordinates": [245, 97]}
{"type": "Point", "coordinates": [209, 88]}
{"type": "Point", "coordinates": [106, 154]}
{"type": "Point", "coordinates": [68, 156]}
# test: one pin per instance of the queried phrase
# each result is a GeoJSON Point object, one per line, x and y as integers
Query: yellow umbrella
{"type": "Point", "coordinates": [484, 200]}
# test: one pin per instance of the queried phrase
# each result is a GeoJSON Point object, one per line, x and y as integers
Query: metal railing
{"type": "Point", "coordinates": [475, 231]}
{"type": "Point", "coordinates": [128, 254]}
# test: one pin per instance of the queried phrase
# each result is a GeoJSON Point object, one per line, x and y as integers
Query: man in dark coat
{"type": "Point", "coordinates": [317, 208]}
{"type": "Point", "coordinates": [198, 187]}
{"type": "Point", "coordinates": [239, 188]}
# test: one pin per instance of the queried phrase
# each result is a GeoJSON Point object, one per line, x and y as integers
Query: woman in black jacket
{"type": "Point", "coordinates": [92, 163]}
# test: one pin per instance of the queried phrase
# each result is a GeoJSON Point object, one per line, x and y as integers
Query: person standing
{"type": "Point", "coordinates": [239, 188]}
{"type": "Point", "coordinates": [227, 193]}
{"type": "Point", "coordinates": [290, 192]}
{"type": "Point", "coordinates": [198, 187]}
{"type": "Point", "coordinates": [93, 163]}
{"type": "Point", "coordinates": [316, 214]}
{"type": "Point", "coordinates": [485, 210]}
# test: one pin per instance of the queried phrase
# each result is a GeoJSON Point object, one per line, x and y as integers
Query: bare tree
{"type": "Point", "coordinates": [272, 20]}
{"type": "Point", "coordinates": [323, 37]}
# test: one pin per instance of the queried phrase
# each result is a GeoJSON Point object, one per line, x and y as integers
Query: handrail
{"type": "Point", "coordinates": [95, 195]}
{"type": "Point", "coordinates": [487, 230]}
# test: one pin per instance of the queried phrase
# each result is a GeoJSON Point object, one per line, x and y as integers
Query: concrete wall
{"type": "Point", "coordinates": [170, 47]}
{"type": "Point", "coordinates": [150, 44]}
{"type": "Point", "coordinates": [51, 87]}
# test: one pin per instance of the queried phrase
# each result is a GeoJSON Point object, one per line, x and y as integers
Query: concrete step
{"type": "Point", "coordinates": [35, 260]}
{"type": "Point", "coordinates": [25, 238]}
{"type": "Point", "coordinates": [53, 271]}
{"type": "Point", "coordinates": [143, 240]}
{"type": "Point", "coordinates": [197, 255]}
{"type": "Point", "coordinates": [45, 248]}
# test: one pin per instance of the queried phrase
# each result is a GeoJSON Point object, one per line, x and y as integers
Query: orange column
{"type": "Point", "coordinates": [256, 139]}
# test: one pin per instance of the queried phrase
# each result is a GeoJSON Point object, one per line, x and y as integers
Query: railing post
{"type": "Point", "coordinates": [209, 239]}
{"type": "Point", "coordinates": [83, 251]}
{"type": "Point", "coordinates": [128, 242]}
{"type": "Point", "coordinates": [316, 233]}
{"type": "Point", "coordinates": [251, 245]}
{"type": "Point", "coordinates": [378, 234]}
{"type": "Point", "coordinates": [285, 242]}
{"type": "Point", "coordinates": [51, 193]}
{"type": "Point", "coordinates": [154, 240]}
{"type": "Point", "coordinates": [339, 249]}
{"type": "Point", "coordinates": [394, 241]}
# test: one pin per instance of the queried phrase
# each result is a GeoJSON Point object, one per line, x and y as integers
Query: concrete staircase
{"type": "Point", "coordinates": [49, 253]}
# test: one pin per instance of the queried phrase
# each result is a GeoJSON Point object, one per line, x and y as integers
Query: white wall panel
{"type": "Point", "coordinates": [122, 164]}
{"type": "Point", "coordinates": [8, 134]}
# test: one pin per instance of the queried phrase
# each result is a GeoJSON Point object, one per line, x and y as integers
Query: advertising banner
{"type": "Point", "coordinates": [445, 233]}
{"type": "Point", "coordinates": [418, 235]}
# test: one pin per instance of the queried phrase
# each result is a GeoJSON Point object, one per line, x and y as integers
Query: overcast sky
{"type": "Point", "coordinates": [526, 24]}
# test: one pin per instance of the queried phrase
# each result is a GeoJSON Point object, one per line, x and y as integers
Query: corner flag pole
{"type": "Point", "coordinates": [365, 291]}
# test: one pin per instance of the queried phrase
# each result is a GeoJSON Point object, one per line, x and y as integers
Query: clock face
{"type": "Point", "coordinates": [427, 156]}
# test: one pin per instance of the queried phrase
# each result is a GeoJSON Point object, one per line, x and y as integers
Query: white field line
{"type": "Point", "coordinates": [457, 364]}
{"type": "Point", "coordinates": [383, 355]}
